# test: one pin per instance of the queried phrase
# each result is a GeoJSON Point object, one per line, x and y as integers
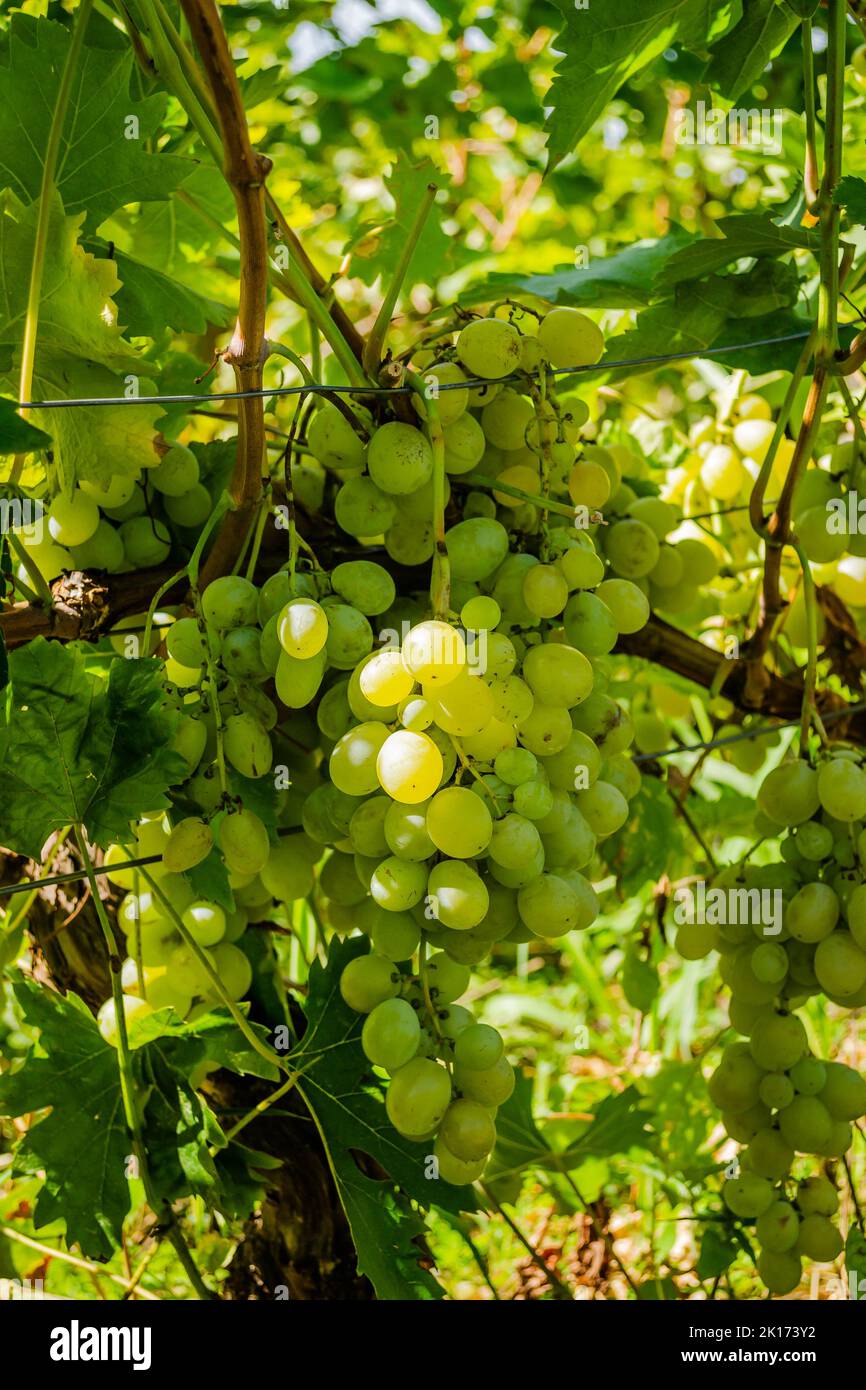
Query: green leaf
{"type": "Point", "coordinates": [83, 1145]}
{"type": "Point", "coordinates": [104, 159]}
{"type": "Point", "coordinates": [606, 44]}
{"type": "Point", "coordinates": [639, 852]}
{"type": "Point", "coordinates": [148, 302]}
{"type": "Point", "coordinates": [347, 1103]}
{"type": "Point", "coordinates": [82, 749]}
{"type": "Point", "coordinates": [640, 981]}
{"type": "Point", "coordinates": [850, 194]}
{"type": "Point", "coordinates": [620, 1124]}
{"type": "Point", "coordinates": [746, 236]}
{"type": "Point", "coordinates": [95, 442]}
{"type": "Point", "coordinates": [407, 185]}
{"type": "Point", "coordinates": [18, 436]}
{"type": "Point", "coordinates": [717, 1254]}
{"type": "Point", "coordinates": [739, 61]}
{"type": "Point", "coordinates": [210, 879]}
{"type": "Point", "coordinates": [855, 1263]}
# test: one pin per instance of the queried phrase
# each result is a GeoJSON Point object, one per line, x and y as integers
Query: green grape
{"type": "Point", "coordinates": [814, 841]}
{"type": "Point", "coordinates": [398, 884]}
{"type": "Point", "coordinates": [186, 643]}
{"type": "Point", "coordinates": [489, 1086]}
{"type": "Point", "coordinates": [489, 348]}
{"type": "Point", "coordinates": [476, 548]}
{"type": "Point", "coordinates": [558, 674]}
{"type": "Point", "coordinates": [780, 1272]}
{"type": "Point", "coordinates": [302, 627]}
{"type": "Point", "coordinates": [410, 543]}
{"type": "Point", "coordinates": [734, 1084]}
{"type": "Point", "coordinates": [515, 766]}
{"type": "Point", "coordinates": [205, 922]}
{"type": "Point", "coordinates": [821, 545]}
{"type": "Point", "coordinates": [146, 542]}
{"type": "Point", "coordinates": [191, 509]}
{"type": "Point", "coordinates": [468, 1130]}
{"type": "Point", "coordinates": [118, 490]}
{"type": "Point", "coordinates": [589, 624]}
{"type": "Point", "coordinates": [588, 485]}
{"type": "Point", "coordinates": [446, 978]}
{"type": "Point", "coordinates": [364, 585]}
{"type": "Point", "coordinates": [352, 764]}
{"type": "Point", "coordinates": [459, 823]}
{"type": "Point", "coordinates": [406, 831]}
{"type": "Point", "coordinates": [367, 981]}
{"type": "Point", "coordinates": [506, 419]}
{"type": "Point", "coordinates": [339, 880]}
{"type": "Point", "coordinates": [288, 873]}
{"type": "Point", "coordinates": [73, 520]}
{"type": "Point", "coordinates": [578, 765]}
{"type": "Point", "coordinates": [464, 446]}
{"type": "Point", "coordinates": [777, 1041]}
{"type": "Point", "coordinates": [234, 970]}
{"type": "Point", "coordinates": [534, 800]}
{"type": "Point", "coordinates": [240, 654]}
{"type": "Point", "coordinates": [818, 1239]}
{"type": "Point", "coordinates": [789, 794]}
{"type": "Point", "coordinates": [453, 1170]}
{"type": "Point", "coordinates": [777, 1227]}
{"type": "Point", "coordinates": [417, 1098]}
{"type": "Point", "coordinates": [744, 1125]}
{"type": "Point", "coordinates": [367, 827]}
{"type": "Point", "coordinates": [243, 840]}
{"type": "Point", "coordinates": [570, 338]}
{"type": "Point", "coordinates": [817, 1197]}
{"type": "Point", "coordinates": [451, 403]}
{"type": "Point", "coordinates": [399, 458]}
{"type": "Point", "coordinates": [391, 1034]}
{"type": "Point", "coordinates": [349, 637]}
{"type": "Point", "coordinates": [297, 681]}
{"type": "Point", "coordinates": [605, 722]}
{"type": "Point", "coordinates": [134, 1009]}
{"type": "Point", "coordinates": [545, 591]}
{"type": "Point", "coordinates": [364, 510]}
{"type": "Point", "coordinates": [840, 965]}
{"type": "Point", "coordinates": [513, 701]}
{"type": "Point", "coordinates": [546, 731]}
{"type": "Point", "coordinates": [480, 614]}
{"type": "Point", "coordinates": [332, 439]}
{"type": "Point", "coordinates": [176, 472]}
{"type": "Point", "coordinates": [247, 745]}
{"type": "Point", "coordinates": [231, 601]}
{"type": "Point", "coordinates": [458, 895]}
{"type": "Point", "coordinates": [805, 1124]}
{"type": "Point", "coordinates": [394, 934]}
{"type": "Point", "coordinates": [769, 1155]}
{"type": "Point", "coordinates": [605, 808]}
{"type": "Point", "coordinates": [478, 1047]}
{"type": "Point", "coordinates": [808, 1076]}
{"type": "Point", "coordinates": [582, 567]}
{"type": "Point", "coordinates": [769, 961]}
{"type": "Point", "coordinates": [669, 569]}
{"type": "Point", "coordinates": [842, 789]}
{"type": "Point", "coordinates": [747, 1196]}
{"type": "Point", "coordinates": [628, 604]}
{"type": "Point", "coordinates": [552, 905]}
{"type": "Point", "coordinates": [844, 1092]}
{"type": "Point", "coordinates": [189, 843]}
{"type": "Point", "coordinates": [776, 1090]}
{"type": "Point", "coordinates": [632, 548]}
{"type": "Point", "coordinates": [695, 940]}
{"type": "Point", "coordinates": [159, 991]}
{"type": "Point", "coordinates": [514, 842]}
{"type": "Point", "coordinates": [102, 551]}
{"type": "Point", "coordinates": [333, 713]}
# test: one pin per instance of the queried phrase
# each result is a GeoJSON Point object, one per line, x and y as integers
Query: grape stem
{"type": "Point", "coordinates": [810, 713]}
{"type": "Point", "coordinates": [375, 344]}
{"type": "Point", "coordinates": [161, 1207]}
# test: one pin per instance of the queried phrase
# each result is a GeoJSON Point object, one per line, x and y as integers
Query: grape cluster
{"type": "Point", "coordinates": [776, 1097]}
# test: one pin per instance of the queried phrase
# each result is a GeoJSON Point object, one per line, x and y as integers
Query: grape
{"type": "Point", "coordinates": [515, 842]}
{"type": "Point", "coordinates": [453, 1170]}
{"type": "Point", "coordinates": [628, 604]}
{"type": "Point", "coordinates": [722, 473]}
{"type": "Point", "coordinates": [489, 1086]}
{"type": "Point", "coordinates": [745, 1125]}
{"type": "Point", "coordinates": [418, 1096]}
{"type": "Point", "coordinates": [247, 745]}
{"type": "Point", "coordinates": [734, 1084]}
{"type": "Point", "coordinates": [234, 970]}
{"type": "Point", "coordinates": [133, 1009]}
{"type": "Point", "coordinates": [588, 485]}
{"type": "Point", "coordinates": [103, 551]}
{"type": "Point", "coordinates": [463, 707]}
{"type": "Point", "coordinates": [805, 1124]}
{"type": "Point", "coordinates": [352, 764]}
{"type": "Point", "coordinates": [506, 419]}
{"type": "Point", "coordinates": [406, 831]}
{"type": "Point", "coordinates": [589, 624]}
{"type": "Point", "coordinates": [240, 654]}
{"type": "Point", "coordinates": [840, 965]}
{"type": "Point", "coordinates": [367, 981]}
{"type": "Point", "coordinates": [546, 730]}
{"type": "Point", "coordinates": [476, 548]}
{"type": "Point", "coordinates": [364, 510]}
{"type": "Point", "coordinates": [334, 715]}
{"type": "Point", "coordinates": [468, 1130]}
{"type": "Point", "coordinates": [605, 808]}
{"type": "Point", "coordinates": [775, 1090]}
{"type": "Point", "coordinates": [820, 544]}
{"type": "Point", "coordinates": [367, 827]}
{"type": "Point", "coordinates": [189, 843]}
{"type": "Point", "coordinates": [145, 542]}
{"type": "Point", "coordinates": [459, 896]}
{"type": "Point", "coordinates": [570, 339]}
{"type": "Point", "coordinates": [384, 680]}
{"type": "Point", "coordinates": [808, 1076]}
{"type": "Point", "coordinates": [769, 1155]}
{"type": "Point", "coordinates": [769, 961]}
{"type": "Point", "coordinates": [777, 1227]}
{"type": "Point", "coordinates": [399, 458]}
{"type": "Point", "coordinates": [789, 794]}
{"type": "Point", "coordinates": [748, 1195]}
{"type": "Point", "coordinates": [632, 549]}
{"type": "Point", "coordinates": [814, 841]}
{"type": "Point", "coordinates": [434, 653]}
{"type": "Point", "coordinates": [582, 567]}
{"type": "Point", "coordinates": [515, 766]}
{"type": "Point", "coordinates": [391, 1034]}
{"type": "Point", "coordinates": [350, 636]}
{"type": "Point", "coordinates": [489, 348]}
{"type": "Point", "coordinates": [464, 445]}
{"type": "Point", "coordinates": [159, 991]}
{"type": "Point", "coordinates": [446, 978]}
{"type": "Point", "coordinates": [842, 789]}
{"type": "Point", "coordinates": [410, 543]}
{"type": "Point", "coordinates": [364, 585]}
{"type": "Point", "coordinates": [550, 906]}
{"type": "Point", "coordinates": [416, 714]}
{"type": "Point", "coordinates": [513, 700]}
{"type": "Point", "coordinates": [231, 601]}
{"type": "Point", "coordinates": [545, 591]}
{"type": "Point", "coordinates": [205, 922]}
{"type": "Point", "coordinates": [409, 766]}
{"type": "Point", "coordinates": [176, 472]}
{"type": "Point", "coordinates": [113, 493]}
{"type": "Point", "coordinates": [780, 1272]}
{"type": "Point", "coordinates": [333, 441]}
{"type": "Point", "coordinates": [459, 823]}
{"type": "Point", "coordinates": [452, 403]}
{"type": "Point", "coordinates": [819, 1239]}
{"type": "Point", "coordinates": [480, 614]}
{"type": "Point", "coordinates": [193, 508]}
{"type": "Point", "coordinates": [817, 1197]}
{"type": "Point", "coordinates": [695, 940]}
{"type": "Point", "coordinates": [395, 934]}
{"type": "Point", "coordinates": [73, 520]}
{"type": "Point", "coordinates": [302, 627]}
{"type": "Point", "coordinates": [288, 873]}
{"type": "Point", "coordinates": [398, 884]}
{"type": "Point", "coordinates": [844, 1092]}
{"type": "Point", "coordinates": [243, 840]}
{"type": "Point", "coordinates": [778, 1041]}
{"type": "Point", "coordinates": [297, 681]}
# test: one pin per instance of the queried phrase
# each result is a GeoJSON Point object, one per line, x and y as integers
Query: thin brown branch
{"type": "Point", "coordinates": [245, 171]}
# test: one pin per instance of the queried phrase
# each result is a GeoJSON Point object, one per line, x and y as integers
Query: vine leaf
{"type": "Point", "coordinates": [80, 748]}
{"type": "Point", "coordinates": [850, 194]}
{"type": "Point", "coordinates": [148, 301]}
{"type": "Point", "coordinates": [753, 235]}
{"type": "Point", "coordinates": [606, 44]}
{"type": "Point", "coordinates": [83, 1146]}
{"type": "Point", "coordinates": [406, 185]}
{"type": "Point", "coordinates": [764, 29]}
{"type": "Point", "coordinates": [104, 160]}
{"type": "Point", "coordinates": [18, 436]}
{"type": "Point", "coordinates": [347, 1103]}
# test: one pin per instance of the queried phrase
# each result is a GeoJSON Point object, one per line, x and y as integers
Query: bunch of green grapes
{"type": "Point", "coordinates": [129, 523]}
{"type": "Point", "coordinates": [775, 1096]}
